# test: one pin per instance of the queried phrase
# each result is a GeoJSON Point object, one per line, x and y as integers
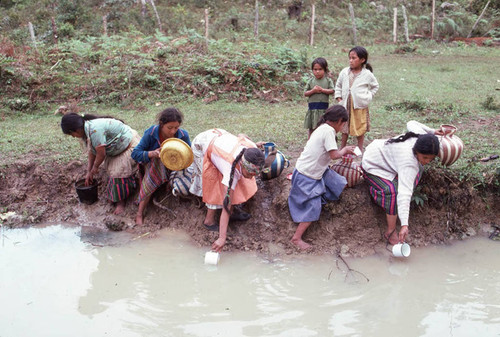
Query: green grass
{"type": "Point", "coordinates": [446, 84]}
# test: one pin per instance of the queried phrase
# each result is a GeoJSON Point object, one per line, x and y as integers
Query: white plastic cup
{"type": "Point", "coordinates": [401, 250]}
{"type": "Point", "coordinates": [212, 258]}
{"type": "Point", "coordinates": [357, 151]}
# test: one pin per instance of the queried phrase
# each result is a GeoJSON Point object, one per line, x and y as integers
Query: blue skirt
{"type": "Point", "coordinates": [307, 195]}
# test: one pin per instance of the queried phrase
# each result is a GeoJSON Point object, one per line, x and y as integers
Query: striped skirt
{"type": "Point", "coordinates": [384, 192]}
{"type": "Point", "coordinates": [156, 175]}
{"type": "Point", "coordinates": [120, 188]}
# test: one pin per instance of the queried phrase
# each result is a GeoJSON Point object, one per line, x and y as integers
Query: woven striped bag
{"type": "Point", "coordinates": [180, 181]}
{"type": "Point", "coordinates": [349, 169]}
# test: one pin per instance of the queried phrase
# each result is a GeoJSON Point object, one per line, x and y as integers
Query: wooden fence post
{"type": "Point", "coordinates": [105, 25]}
{"type": "Point", "coordinates": [32, 34]}
{"type": "Point", "coordinates": [479, 18]}
{"type": "Point", "coordinates": [206, 26]}
{"type": "Point", "coordinates": [157, 16]}
{"type": "Point", "coordinates": [256, 22]}
{"type": "Point", "coordinates": [395, 26]}
{"type": "Point", "coordinates": [313, 17]}
{"type": "Point", "coordinates": [143, 8]}
{"type": "Point", "coordinates": [433, 18]}
{"type": "Point", "coordinates": [351, 11]}
{"type": "Point", "coordinates": [407, 37]}
{"type": "Point", "coordinates": [54, 30]}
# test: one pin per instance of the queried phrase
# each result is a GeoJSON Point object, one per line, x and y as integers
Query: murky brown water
{"type": "Point", "coordinates": [60, 281]}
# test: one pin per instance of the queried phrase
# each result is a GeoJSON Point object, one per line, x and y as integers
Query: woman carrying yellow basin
{"type": "Point", "coordinates": [147, 152]}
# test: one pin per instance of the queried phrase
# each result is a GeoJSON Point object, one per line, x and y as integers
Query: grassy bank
{"type": "Point", "coordinates": [436, 84]}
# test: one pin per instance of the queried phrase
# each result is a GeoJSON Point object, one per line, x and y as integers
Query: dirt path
{"type": "Point", "coordinates": [353, 225]}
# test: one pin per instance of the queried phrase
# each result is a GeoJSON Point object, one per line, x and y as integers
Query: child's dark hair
{"type": "Point", "coordinates": [322, 63]}
{"type": "Point", "coordinates": [334, 113]}
{"type": "Point", "coordinates": [73, 122]}
{"type": "Point", "coordinates": [425, 144]}
{"type": "Point", "coordinates": [362, 54]}
{"type": "Point", "coordinates": [170, 115]}
{"type": "Point", "coordinates": [252, 155]}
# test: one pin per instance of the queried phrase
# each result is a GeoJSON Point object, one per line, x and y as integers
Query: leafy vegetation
{"type": "Point", "coordinates": [419, 197]}
{"type": "Point", "coordinates": [112, 51]}
{"type": "Point", "coordinates": [123, 68]}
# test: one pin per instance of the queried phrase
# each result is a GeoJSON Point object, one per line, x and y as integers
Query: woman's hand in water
{"type": "Point", "coordinates": [218, 244]}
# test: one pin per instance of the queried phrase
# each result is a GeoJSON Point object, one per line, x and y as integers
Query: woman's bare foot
{"type": "Point", "coordinates": [120, 208]}
{"type": "Point", "coordinates": [299, 243]}
{"type": "Point", "coordinates": [139, 219]}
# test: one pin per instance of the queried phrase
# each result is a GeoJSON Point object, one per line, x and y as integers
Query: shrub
{"type": "Point", "coordinates": [66, 30]}
{"type": "Point", "coordinates": [20, 104]}
{"type": "Point", "coordinates": [490, 104]}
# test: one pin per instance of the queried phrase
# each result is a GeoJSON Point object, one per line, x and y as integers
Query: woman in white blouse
{"type": "Point", "coordinates": [393, 167]}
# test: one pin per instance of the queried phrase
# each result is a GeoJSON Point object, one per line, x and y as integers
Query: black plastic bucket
{"type": "Point", "coordinates": [86, 194]}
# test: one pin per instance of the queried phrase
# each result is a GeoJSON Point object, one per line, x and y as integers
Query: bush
{"type": "Point", "coordinates": [66, 30]}
{"type": "Point", "coordinates": [20, 104]}
{"type": "Point", "coordinates": [490, 104]}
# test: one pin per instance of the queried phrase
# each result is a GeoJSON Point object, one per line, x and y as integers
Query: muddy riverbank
{"type": "Point", "coordinates": [45, 193]}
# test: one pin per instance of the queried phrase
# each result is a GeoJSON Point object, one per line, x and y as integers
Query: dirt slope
{"type": "Point", "coordinates": [353, 225]}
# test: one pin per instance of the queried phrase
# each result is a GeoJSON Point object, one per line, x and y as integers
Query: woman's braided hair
{"type": "Point", "coordinates": [254, 156]}
{"type": "Point", "coordinates": [402, 138]}
{"type": "Point", "coordinates": [425, 144]}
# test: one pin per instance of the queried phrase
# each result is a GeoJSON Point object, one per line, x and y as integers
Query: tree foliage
{"type": "Point", "coordinates": [136, 60]}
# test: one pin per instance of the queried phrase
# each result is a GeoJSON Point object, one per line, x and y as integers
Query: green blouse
{"type": "Point", "coordinates": [111, 133]}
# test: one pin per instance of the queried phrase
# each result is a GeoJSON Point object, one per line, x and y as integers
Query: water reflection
{"type": "Point", "coordinates": [62, 281]}
{"type": "Point", "coordinates": [43, 274]}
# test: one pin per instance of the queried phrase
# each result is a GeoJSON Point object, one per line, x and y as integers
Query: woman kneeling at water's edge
{"type": "Point", "coordinates": [110, 142]}
{"type": "Point", "coordinates": [224, 173]}
{"type": "Point", "coordinates": [147, 152]}
{"type": "Point", "coordinates": [393, 169]}
{"type": "Point", "coordinates": [313, 182]}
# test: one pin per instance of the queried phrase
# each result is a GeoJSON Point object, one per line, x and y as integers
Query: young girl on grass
{"type": "Point", "coordinates": [313, 183]}
{"type": "Point", "coordinates": [318, 89]}
{"type": "Point", "coordinates": [355, 89]}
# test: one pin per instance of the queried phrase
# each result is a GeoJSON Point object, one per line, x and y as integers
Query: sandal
{"type": "Point", "coordinates": [212, 228]}
{"type": "Point", "coordinates": [239, 216]}
{"type": "Point", "coordinates": [388, 237]}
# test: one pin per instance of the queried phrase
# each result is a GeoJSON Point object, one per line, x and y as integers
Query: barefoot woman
{"type": "Point", "coordinates": [393, 168]}
{"type": "Point", "coordinates": [110, 142]}
{"type": "Point", "coordinates": [312, 181]}
{"type": "Point", "coordinates": [148, 154]}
